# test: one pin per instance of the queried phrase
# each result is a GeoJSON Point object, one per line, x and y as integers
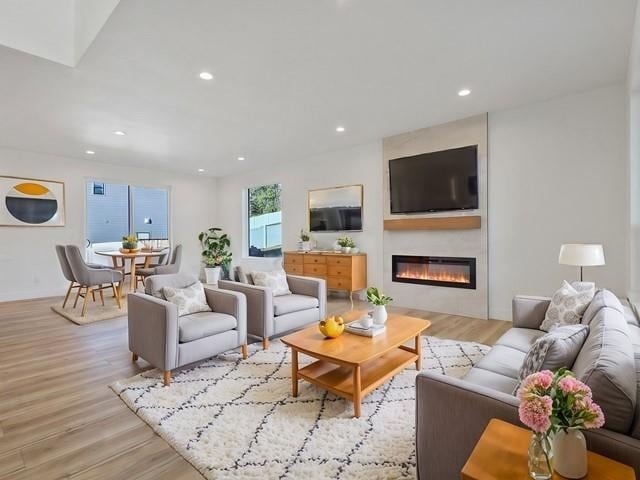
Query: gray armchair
{"type": "Point", "coordinates": [167, 341]}
{"type": "Point", "coordinates": [89, 278]}
{"type": "Point", "coordinates": [268, 316]}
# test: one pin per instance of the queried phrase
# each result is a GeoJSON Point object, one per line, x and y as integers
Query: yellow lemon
{"type": "Point", "coordinates": [332, 327]}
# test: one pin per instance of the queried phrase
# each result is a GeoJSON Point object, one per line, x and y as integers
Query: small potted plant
{"type": "Point", "coordinates": [380, 302]}
{"type": "Point", "coordinates": [346, 243]}
{"type": "Point", "coordinates": [215, 255]}
{"type": "Point", "coordinates": [305, 241]}
{"type": "Point", "coordinates": [129, 244]}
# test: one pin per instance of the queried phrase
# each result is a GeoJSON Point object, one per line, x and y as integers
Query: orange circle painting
{"type": "Point", "coordinates": [31, 203]}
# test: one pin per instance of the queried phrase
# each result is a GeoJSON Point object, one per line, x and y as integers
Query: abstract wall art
{"type": "Point", "coordinates": [31, 202]}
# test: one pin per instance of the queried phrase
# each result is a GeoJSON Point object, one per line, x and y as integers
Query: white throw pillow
{"type": "Point", "coordinates": [189, 300]}
{"type": "Point", "coordinates": [568, 305]}
{"type": "Point", "coordinates": [275, 280]}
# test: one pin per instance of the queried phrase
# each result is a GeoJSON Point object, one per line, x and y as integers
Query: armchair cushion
{"type": "Point", "coordinates": [204, 324]}
{"type": "Point", "coordinates": [275, 280]}
{"type": "Point", "coordinates": [189, 300]}
{"type": "Point", "coordinates": [293, 303]}
{"type": "Point", "coordinates": [155, 283]}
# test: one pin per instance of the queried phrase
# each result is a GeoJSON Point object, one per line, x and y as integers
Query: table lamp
{"type": "Point", "coordinates": [581, 255]}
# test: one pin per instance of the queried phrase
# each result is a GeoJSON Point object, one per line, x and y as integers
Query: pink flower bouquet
{"type": "Point", "coordinates": [557, 401]}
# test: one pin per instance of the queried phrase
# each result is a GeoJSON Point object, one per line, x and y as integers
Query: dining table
{"type": "Point", "coordinates": [119, 259]}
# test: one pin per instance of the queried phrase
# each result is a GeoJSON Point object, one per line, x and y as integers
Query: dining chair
{"type": "Point", "coordinates": [92, 279]}
{"type": "Point", "coordinates": [169, 268]}
{"type": "Point", "coordinates": [66, 271]}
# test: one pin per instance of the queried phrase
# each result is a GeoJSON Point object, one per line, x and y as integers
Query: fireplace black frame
{"type": "Point", "coordinates": [466, 261]}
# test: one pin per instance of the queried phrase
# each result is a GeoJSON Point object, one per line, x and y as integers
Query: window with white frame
{"type": "Point", "coordinates": [265, 221]}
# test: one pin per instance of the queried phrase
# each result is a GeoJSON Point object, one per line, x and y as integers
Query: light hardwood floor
{"type": "Point", "coordinates": [59, 419]}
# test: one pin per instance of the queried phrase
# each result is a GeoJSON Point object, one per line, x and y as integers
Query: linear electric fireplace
{"type": "Point", "coordinates": [456, 272]}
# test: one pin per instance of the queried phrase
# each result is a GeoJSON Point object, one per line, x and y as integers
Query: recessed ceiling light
{"type": "Point", "coordinates": [241, 159]}
{"type": "Point", "coordinates": [201, 170]}
{"type": "Point", "coordinates": [339, 129]}
{"type": "Point", "coordinates": [206, 76]}
{"type": "Point", "coordinates": [120, 133]}
{"type": "Point", "coordinates": [90, 152]}
{"type": "Point", "coordinates": [464, 92]}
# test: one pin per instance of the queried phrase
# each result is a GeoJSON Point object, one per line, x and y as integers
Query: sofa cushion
{"type": "Point", "coordinates": [606, 365]}
{"type": "Point", "coordinates": [602, 299]}
{"type": "Point", "coordinates": [502, 360]}
{"type": "Point", "coordinates": [520, 338]}
{"type": "Point", "coordinates": [293, 303]}
{"type": "Point", "coordinates": [490, 379]}
{"type": "Point", "coordinates": [567, 305]}
{"type": "Point", "coordinates": [556, 349]}
{"type": "Point", "coordinates": [204, 324]}
{"type": "Point", "coordinates": [634, 333]}
{"type": "Point", "coordinates": [189, 300]}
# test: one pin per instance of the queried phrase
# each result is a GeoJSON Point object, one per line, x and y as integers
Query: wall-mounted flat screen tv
{"type": "Point", "coordinates": [336, 209]}
{"type": "Point", "coordinates": [435, 181]}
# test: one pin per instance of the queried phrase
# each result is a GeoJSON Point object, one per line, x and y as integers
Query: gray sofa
{"type": "Point", "coordinates": [451, 413]}
{"type": "Point", "coordinates": [268, 316]}
{"type": "Point", "coordinates": [167, 341]}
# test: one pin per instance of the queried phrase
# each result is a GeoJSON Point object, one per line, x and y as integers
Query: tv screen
{"type": "Point", "coordinates": [436, 181]}
{"type": "Point", "coordinates": [336, 209]}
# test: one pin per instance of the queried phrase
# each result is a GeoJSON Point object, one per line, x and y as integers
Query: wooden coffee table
{"type": "Point", "coordinates": [351, 365]}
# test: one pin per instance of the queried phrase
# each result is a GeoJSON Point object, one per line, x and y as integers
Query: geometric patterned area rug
{"type": "Point", "coordinates": [236, 419]}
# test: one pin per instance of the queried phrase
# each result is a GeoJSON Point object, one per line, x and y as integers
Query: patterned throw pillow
{"type": "Point", "coordinates": [568, 305]}
{"type": "Point", "coordinates": [275, 280]}
{"type": "Point", "coordinates": [556, 349]}
{"type": "Point", "coordinates": [189, 300]}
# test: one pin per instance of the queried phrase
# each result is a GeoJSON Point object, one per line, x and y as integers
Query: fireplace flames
{"type": "Point", "coordinates": [437, 273]}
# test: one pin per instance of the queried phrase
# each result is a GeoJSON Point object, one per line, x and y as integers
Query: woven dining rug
{"type": "Point", "coordinates": [236, 419]}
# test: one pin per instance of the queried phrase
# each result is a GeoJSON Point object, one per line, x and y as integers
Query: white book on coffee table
{"type": "Point", "coordinates": [359, 329]}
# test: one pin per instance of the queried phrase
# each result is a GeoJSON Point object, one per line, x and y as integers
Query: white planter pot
{"type": "Point", "coordinates": [346, 249]}
{"type": "Point", "coordinates": [212, 275]}
{"type": "Point", "coordinates": [379, 314]}
{"type": "Point", "coordinates": [570, 454]}
{"type": "Point", "coordinates": [305, 246]}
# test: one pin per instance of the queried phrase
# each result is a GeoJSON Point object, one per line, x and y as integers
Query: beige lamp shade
{"type": "Point", "coordinates": [581, 254]}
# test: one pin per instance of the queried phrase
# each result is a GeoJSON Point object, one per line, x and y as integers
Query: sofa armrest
{"type": "Point", "coordinates": [622, 448]}
{"type": "Point", "coordinates": [451, 415]}
{"type": "Point", "coordinates": [259, 306]}
{"type": "Point", "coordinates": [232, 303]}
{"type": "Point", "coordinates": [528, 312]}
{"type": "Point", "coordinates": [312, 287]}
{"type": "Point", "coordinates": [153, 330]}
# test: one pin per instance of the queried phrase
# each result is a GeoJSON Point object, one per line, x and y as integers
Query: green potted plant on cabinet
{"type": "Point", "coordinates": [305, 241]}
{"type": "Point", "coordinates": [215, 253]}
{"type": "Point", "coordinates": [346, 243]}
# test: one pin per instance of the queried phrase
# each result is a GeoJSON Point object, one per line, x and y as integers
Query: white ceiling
{"type": "Point", "coordinates": [287, 72]}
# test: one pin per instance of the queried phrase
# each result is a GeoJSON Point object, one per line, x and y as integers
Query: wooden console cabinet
{"type": "Point", "coordinates": [342, 271]}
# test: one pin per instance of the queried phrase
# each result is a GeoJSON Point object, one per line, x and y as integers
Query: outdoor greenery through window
{"type": "Point", "coordinates": [265, 221]}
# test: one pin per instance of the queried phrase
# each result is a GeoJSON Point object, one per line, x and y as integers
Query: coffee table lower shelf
{"type": "Point", "coordinates": [355, 381]}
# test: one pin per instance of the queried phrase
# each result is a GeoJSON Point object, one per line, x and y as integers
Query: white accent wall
{"type": "Point", "coordinates": [28, 263]}
{"type": "Point", "coordinates": [557, 174]}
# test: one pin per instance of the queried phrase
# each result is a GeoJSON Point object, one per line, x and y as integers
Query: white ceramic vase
{"type": "Point", "coordinates": [212, 275]}
{"type": "Point", "coordinates": [379, 314]}
{"type": "Point", "coordinates": [306, 246]}
{"type": "Point", "coordinates": [570, 454]}
{"type": "Point", "coordinates": [346, 249]}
